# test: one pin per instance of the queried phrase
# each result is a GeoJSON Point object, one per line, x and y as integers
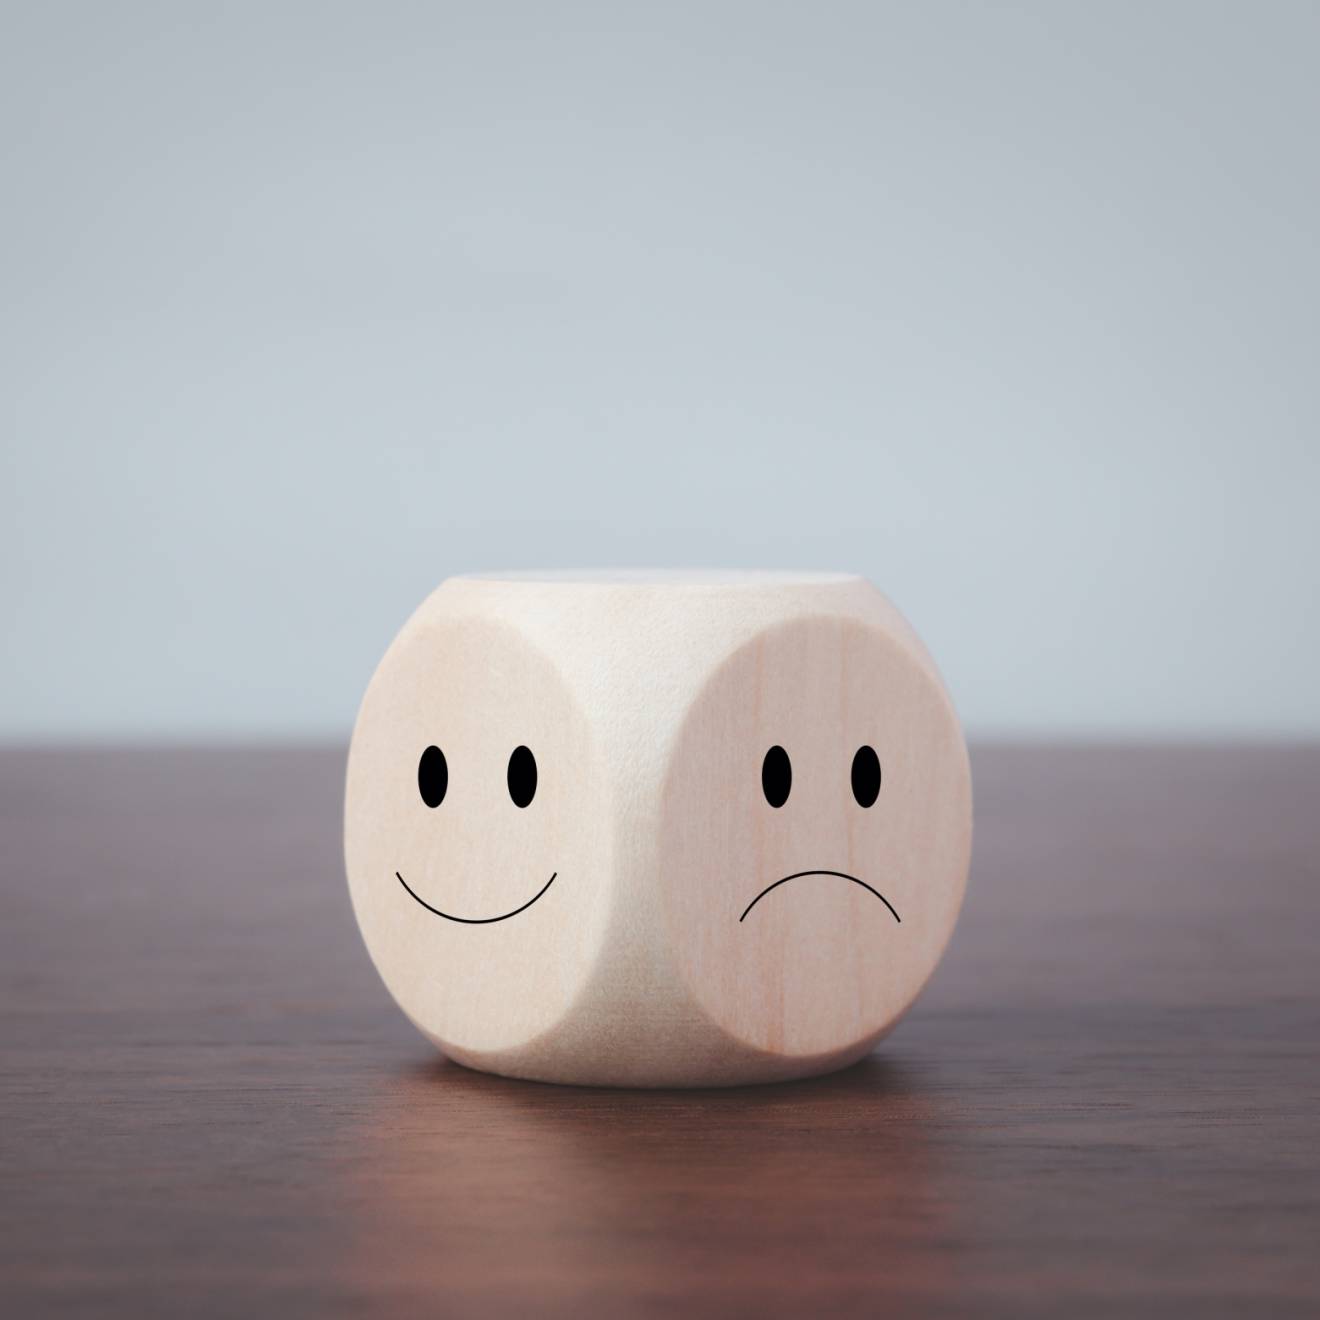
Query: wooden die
{"type": "Point", "coordinates": [657, 829]}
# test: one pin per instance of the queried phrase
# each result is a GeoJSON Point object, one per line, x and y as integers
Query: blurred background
{"type": "Point", "coordinates": [305, 306]}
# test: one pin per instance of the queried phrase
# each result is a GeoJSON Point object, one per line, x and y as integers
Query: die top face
{"type": "Point", "coordinates": [667, 577]}
{"type": "Point", "coordinates": [815, 836]}
{"type": "Point", "coordinates": [472, 804]}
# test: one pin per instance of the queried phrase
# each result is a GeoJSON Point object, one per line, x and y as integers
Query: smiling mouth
{"type": "Point", "coordinates": [797, 875]}
{"type": "Point", "coordinates": [479, 921]}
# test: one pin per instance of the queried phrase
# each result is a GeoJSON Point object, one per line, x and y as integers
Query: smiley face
{"type": "Point", "coordinates": [475, 864]}
{"type": "Point", "coordinates": [815, 837]}
{"type": "Point", "coordinates": [433, 785]}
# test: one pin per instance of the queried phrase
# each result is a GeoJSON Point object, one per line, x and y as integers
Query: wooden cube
{"type": "Point", "coordinates": [657, 829]}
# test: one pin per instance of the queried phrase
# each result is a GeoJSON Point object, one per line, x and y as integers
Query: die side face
{"type": "Point", "coordinates": [815, 836]}
{"type": "Point", "coordinates": [475, 850]}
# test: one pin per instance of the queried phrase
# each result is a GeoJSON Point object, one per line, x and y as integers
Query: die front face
{"type": "Point", "coordinates": [815, 837]}
{"type": "Point", "coordinates": [476, 851]}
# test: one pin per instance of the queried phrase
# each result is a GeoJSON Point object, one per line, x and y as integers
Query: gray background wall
{"type": "Point", "coordinates": [1011, 307]}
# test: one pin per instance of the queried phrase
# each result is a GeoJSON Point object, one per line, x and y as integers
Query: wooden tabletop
{"type": "Point", "coordinates": [1105, 1103]}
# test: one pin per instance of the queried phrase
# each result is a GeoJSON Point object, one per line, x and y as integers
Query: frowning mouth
{"type": "Point", "coordinates": [477, 921]}
{"type": "Point", "coordinates": [842, 875]}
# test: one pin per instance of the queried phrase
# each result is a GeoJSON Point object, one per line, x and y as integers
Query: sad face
{"type": "Point", "coordinates": [814, 844]}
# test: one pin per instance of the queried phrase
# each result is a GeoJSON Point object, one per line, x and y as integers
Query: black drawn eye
{"type": "Point", "coordinates": [866, 776]}
{"type": "Point", "coordinates": [432, 776]}
{"type": "Point", "coordinates": [776, 776]}
{"type": "Point", "coordinates": [522, 776]}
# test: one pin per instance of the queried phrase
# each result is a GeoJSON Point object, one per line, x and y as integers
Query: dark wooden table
{"type": "Point", "coordinates": [1106, 1102]}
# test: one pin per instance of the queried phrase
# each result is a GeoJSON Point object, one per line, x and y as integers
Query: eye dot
{"type": "Point", "coordinates": [776, 776]}
{"type": "Point", "coordinates": [432, 776]}
{"type": "Point", "coordinates": [866, 776]}
{"type": "Point", "coordinates": [522, 776]}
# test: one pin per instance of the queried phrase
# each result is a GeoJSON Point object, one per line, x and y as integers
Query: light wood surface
{"type": "Point", "coordinates": [568, 862]}
{"type": "Point", "coordinates": [1104, 1104]}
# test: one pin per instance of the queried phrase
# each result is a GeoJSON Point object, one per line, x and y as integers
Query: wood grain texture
{"type": "Point", "coordinates": [1105, 1103]}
